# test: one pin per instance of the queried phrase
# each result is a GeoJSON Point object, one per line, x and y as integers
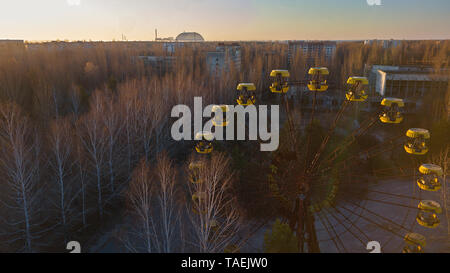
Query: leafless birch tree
{"type": "Point", "coordinates": [62, 172]}
{"type": "Point", "coordinates": [140, 200]}
{"type": "Point", "coordinates": [19, 163]}
{"type": "Point", "coordinates": [154, 206]}
{"type": "Point", "coordinates": [91, 132]}
{"type": "Point", "coordinates": [213, 213]}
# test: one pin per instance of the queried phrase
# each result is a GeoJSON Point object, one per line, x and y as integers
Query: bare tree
{"type": "Point", "coordinates": [152, 200]}
{"type": "Point", "coordinates": [144, 116]}
{"type": "Point", "coordinates": [140, 200]}
{"type": "Point", "coordinates": [80, 165]}
{"type": "Point", "coordinates": [128, 103]}
{"type": "Point", "coordinates": [20, 164]}
{"type": "Point", "coordinates": [213, 212]}
{"type": "Point", "coordinates": [166, 197]}
{"type": "Point", "coordinates": [62, 167]}
{"type": "Point", "coordinates": [75, 101]}
{"type": "Point", "coordinates": [91, 132]}
{"type": "Point", "coordinates": [113, 129]}
{"type": "Point", "coordinates": [148, 118]}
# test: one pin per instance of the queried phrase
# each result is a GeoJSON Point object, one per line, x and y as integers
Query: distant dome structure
{"type": "Point", "coordinates": [190, 37]}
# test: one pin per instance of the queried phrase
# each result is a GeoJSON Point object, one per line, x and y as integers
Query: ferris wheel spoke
{"type": "Point", "coordinates": [346, 227]}
{"type": "Point", "coordinates": [352, 222]}
{"type": "Point", "coordinates": [308, 141]}
{"type": "Point", "coordinates": [382, 217]}
{"type": "Point", "coordinates": [369, 153]}
{"type": "Point", "coordinates": [331, 236]}
{"type": "Point", "coordinates": [328, 136]}
{"type": "Point", "coordinates": [355, 135]}
{"type": "Point", "coordinates": [374, 223]}
{"type": "Point", "coordinates": [389, 203]}
{"type": "Point", "coordinates": [396, 195]}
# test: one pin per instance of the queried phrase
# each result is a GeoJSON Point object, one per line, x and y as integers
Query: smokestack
{"type": "Point", "coordinates": [156, 34]}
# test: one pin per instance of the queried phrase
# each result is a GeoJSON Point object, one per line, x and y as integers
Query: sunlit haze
{"type": "Point", "coordinates": [224, 20]}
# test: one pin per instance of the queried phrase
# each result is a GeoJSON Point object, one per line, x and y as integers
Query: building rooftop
{"type": "Point", "coordinates": [415, 77]}
{"type": "Point", "coordinates": [295, 42]}
{"type": "Point", "coordinates": [410, 73]}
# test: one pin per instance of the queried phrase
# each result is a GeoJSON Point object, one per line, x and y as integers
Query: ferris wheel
{"type": "Point", "coordinates": [318, 188]}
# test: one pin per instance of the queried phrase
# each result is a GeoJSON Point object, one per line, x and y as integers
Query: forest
{"type": "Point", "coordinates": [85, 141]}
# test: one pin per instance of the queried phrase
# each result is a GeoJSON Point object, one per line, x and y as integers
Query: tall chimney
{"type": "Point", "coordinates": [156, 34]}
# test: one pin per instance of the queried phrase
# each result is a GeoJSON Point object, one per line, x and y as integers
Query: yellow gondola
{"type": "Point", "coordinates": [427, 215]}
{"type": "Point", "coordinates": [246, 94]}
{"type": "Point", "coordinates": [392, 112]}
{"type": "Point", "coordinates": [279, 81]}
{"type": "Point", "coordinates": [194, 172]}
{"type": "Point", "coordinates": [220, 115]}
{"type": "Point", "coordinates": [198, 200]}
{"type": "Point", "coordinates": [204, 142]}
{"type": "Point", "coordinates": [356, 91]}
{"type": "Point", "coordinates": [417, 143]}
{"type": "Point", "coordinates": [318, 80]}
{"type": "Point", "coordinates": [415, 243]}
{"type": "Point", "coordinates": [431, 176]}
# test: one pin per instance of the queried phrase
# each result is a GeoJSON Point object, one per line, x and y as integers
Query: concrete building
{"type": "Point", "coordinates": [225, 56]}
{"type": "Point", "coordinates": [311, 50]}
{"type": "Point", "coordinates": [391, 43]}
{"type": "Point", "coordinates": [411, 83]}
{"type": "Point", "coordinates": [385, 43]}
{"type": "Point", "coordinates": [161, 64]}
{"type": "Point", "coordinates": [215, 62]}
{"type": "Point", "coordinates": [170, 47]}
{"type": "Point", "coordinates": [6, 44]}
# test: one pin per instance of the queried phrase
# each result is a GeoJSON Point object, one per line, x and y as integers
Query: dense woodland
{"type": "Point", "coordinates": [85, 139]}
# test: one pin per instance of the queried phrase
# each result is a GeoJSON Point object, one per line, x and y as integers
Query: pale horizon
{"type": "Point", "coordinates": [232, 20]}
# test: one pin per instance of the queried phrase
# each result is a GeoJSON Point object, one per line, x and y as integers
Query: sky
{"type": "Point", "coordinates": [219, 20]}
